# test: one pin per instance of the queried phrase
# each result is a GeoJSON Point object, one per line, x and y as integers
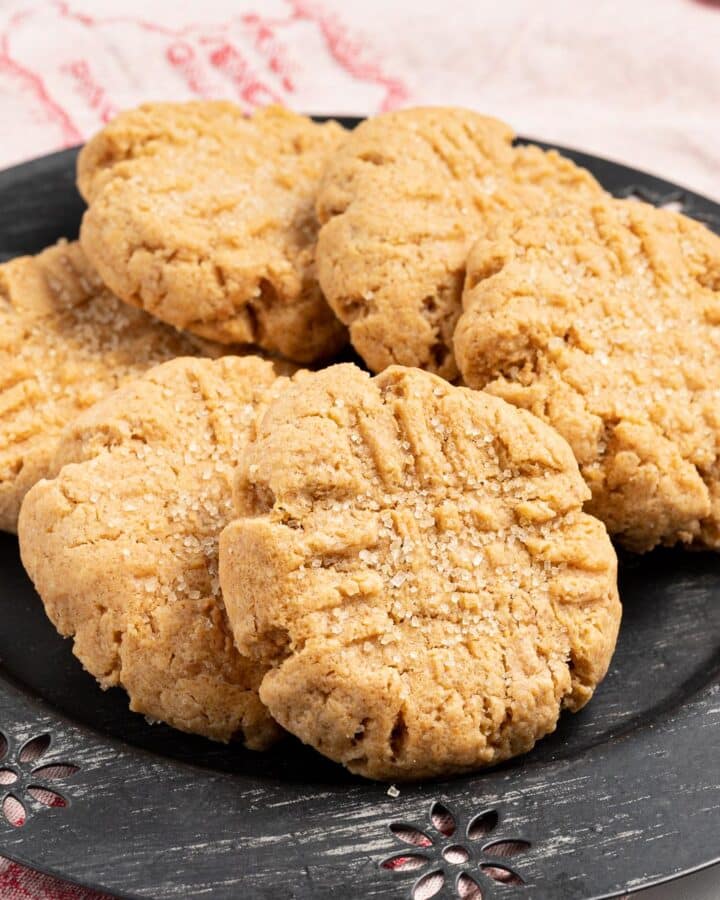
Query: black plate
{"type": "Point", "coordinates": [625, 794]}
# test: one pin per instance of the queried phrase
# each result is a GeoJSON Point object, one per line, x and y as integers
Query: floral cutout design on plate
{"type": "Point", "coordinates": [462, 860]}
{"type": "Point", "coordinates": [23, 778]}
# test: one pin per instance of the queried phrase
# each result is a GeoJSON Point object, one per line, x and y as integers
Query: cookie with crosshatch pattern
{"type": "Point", "coordinates": [411, 562]}
{"type": "Point", "coordinates": [65, 342]}
{"type": "Point", "coordinates": [604, 320]}
{"type": "Point", "coordinates": [122, 544]}
{"type": "Point", "coordinates": [400, 205]}
{"type": "Point", "coordinates": [205, 217]}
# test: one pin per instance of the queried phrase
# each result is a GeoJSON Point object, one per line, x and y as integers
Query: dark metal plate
{"type": "Point", "coordinates": [625, 794]}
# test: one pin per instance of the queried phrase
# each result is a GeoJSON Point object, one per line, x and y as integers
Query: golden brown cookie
{"type": "Point", "coordinates": [122, 544]}
{"type": "Point", "coordinates": [65, 342]}
{"type": "Point", "coordinates": [205, 218]}
{"type": "Point", "coordinates": [604, 320]}
{"type": "Point", "coordinates": [412, 561]}
{"type": "Point", "coordinates": [400, 205]}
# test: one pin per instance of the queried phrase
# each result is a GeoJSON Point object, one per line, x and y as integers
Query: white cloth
{"type": "Point", "coordinates": [636, 80]}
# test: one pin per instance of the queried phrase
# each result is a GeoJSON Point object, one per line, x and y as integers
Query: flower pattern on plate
{"type": "Point", "coordinates": [452, 857]}
{"type": "Point", "coordinates": [24, 777]}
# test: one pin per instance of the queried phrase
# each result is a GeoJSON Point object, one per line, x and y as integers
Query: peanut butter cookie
{"type": "Point", "coordinates": [205, 218]}
{"type": "Point", "coordinates": [122, 544]}
{"type": "Point", "coordinates": [65, 342]}
{"type": "Point", "coordinates": [400, 205]}
{"type": "Point", "coordinates": [412, 562]}
{"type": "Point", "coordinates": [604, 320]}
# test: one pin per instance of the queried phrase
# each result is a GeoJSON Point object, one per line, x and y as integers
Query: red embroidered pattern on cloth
{"type": "Point", "coordinates": [253, 52]}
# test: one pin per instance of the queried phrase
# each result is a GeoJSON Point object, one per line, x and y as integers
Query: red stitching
{"type": "Point", "coordinates": [181, 56]}
{"type": "Point", "coordinates": [267, 44]}
{"type": "Point", "coordinates": [92, 21]}
{"type": "Point", "coordinates": [53, 111]}
{"type": "Point", "coordinates": [88, 88]}
{"type": "Point", "coordinates": [226, 58]}
{"type": "Point", "coordinates": [250, 88]}
{"type": "Point", "coordinates": [349, 52]}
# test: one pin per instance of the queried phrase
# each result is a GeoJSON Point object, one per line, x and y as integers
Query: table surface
{"type": "Point", "coordinates": [637, 82]}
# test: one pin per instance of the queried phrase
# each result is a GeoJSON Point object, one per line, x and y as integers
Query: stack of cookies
{"type": "Point", "coordinates": [407, 564]}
